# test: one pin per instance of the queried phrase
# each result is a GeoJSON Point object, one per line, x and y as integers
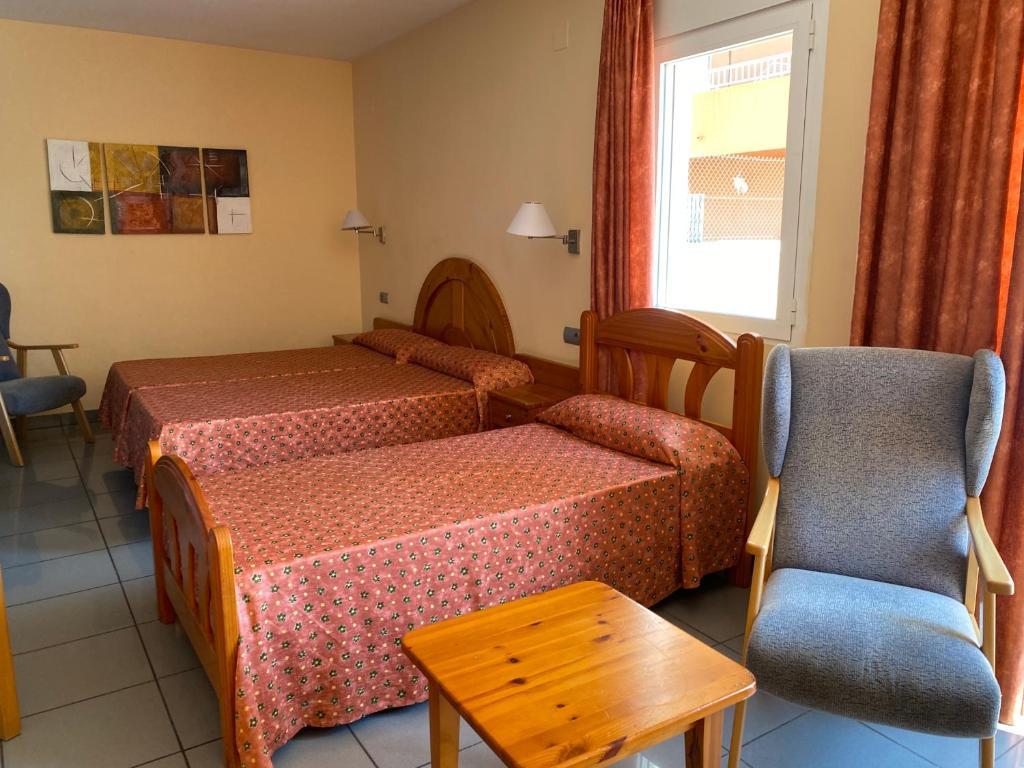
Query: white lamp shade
{"type": "Point", "coordinates": [354, 219]}
{"type": "Point", "coordinates": [532, 220]}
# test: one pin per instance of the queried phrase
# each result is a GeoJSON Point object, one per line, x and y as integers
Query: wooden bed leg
{"type": "Point", "coordinates": [225, 643]}
{"type": "Point", "coordinates": [164, 608]}
{"type": "Point", "coordinates": [10, 715]}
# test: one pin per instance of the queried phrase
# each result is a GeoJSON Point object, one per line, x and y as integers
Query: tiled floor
{"type": "Point", "coordinates": [104, 685]}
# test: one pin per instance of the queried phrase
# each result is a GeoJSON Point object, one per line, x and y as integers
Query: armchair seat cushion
{"type": "Point", "coordinates": [873, 651]}
{"type": "Point", "coordinates": [40, 393]}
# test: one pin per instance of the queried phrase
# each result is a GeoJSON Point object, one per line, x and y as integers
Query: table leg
{"type": "Point", "coordinates": [704, 742]}
{"type": "Point", "coordinates": [444, 731]}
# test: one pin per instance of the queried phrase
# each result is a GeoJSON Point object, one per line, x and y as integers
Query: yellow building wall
{"type": "Point", "coordinates": [741, 118]}
{"type": "Point", "coordinates": [291, 283]}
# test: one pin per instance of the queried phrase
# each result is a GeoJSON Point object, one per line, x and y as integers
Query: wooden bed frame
{"type": "Point", "coordinates": [194, 560]}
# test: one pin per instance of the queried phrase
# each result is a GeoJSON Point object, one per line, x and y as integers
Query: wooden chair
{"type": "Point", "coordinates": [870, 541]}
{"type": "Point", "coordinates": [10, 718]}
{"type": "Point", "coordinates": [21, 396]}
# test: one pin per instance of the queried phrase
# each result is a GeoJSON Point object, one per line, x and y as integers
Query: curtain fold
{"type": "Point", "coordinates": [940, 257]}
{"type": "Point", "coordinates": [624, 158]}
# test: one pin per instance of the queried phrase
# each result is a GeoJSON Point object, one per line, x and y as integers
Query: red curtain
{"type": "Point", "coordinates": [941, 253]}
{"type": "Point", "coordinates": [624, 156]}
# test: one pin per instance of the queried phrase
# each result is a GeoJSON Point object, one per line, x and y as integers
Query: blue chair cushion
{"type": "Point", "coordinates": [40, 393]}
{"type": "Point", "coordinates": [873, 651]}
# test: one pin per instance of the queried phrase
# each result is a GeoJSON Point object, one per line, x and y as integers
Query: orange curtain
{"type": "Point", "coordinates": [624, 156]}
{"type": "Point", "coordinates": [941, 253]}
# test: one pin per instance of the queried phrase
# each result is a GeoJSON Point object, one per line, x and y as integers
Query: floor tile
{"type": "Point", "coordinates": [168, 647]}
{"type": "Point", "coordinates": [141, 598]}
{"type": "Point", "coordinates": [109, 480]}
{"type": "Point", "coordinates": [112, 504]}
{"type": "Point", "coordinates": [49, 515]}
{"type": "Point", "coordinates": [40, 493]}
{"type": "Point", "coordinates": [79, 670]}
{"type": "Point", "coordinates": [322, 747]}
{"type": "Point", "coordinates": [210, 755]}
{"type": "Point", "coordinates": [68, 617]}
{"type": "Point", "coordinates": [38, 471]}
{"type": "Point", "coordinates": [944, 751]}
{"type": "Point", "coordinates": [400, 738]}
{"type": "Point", "coordinates": [133, 561]}
{"type": "Point", "coordinates": [125, 529]}
{"type": "Point", "coordinates": [1014, 758]}
{"type": "Point", "coordinates": [193, 706]}
{"type": "Point", "coordinates": [50, 544]}
{"type": "Point", "coordinates": [819, 740]}
{"type": "Point", "coordinates": [173, 761]}
{"type": "Point", "coordinates": [58, 577]}
{"type": "Point", "coordinates": [119, 730]}
{"type": "Point", "coordinates": [717, 610]}
{"type": "Point", "coordinates": [35, 453]}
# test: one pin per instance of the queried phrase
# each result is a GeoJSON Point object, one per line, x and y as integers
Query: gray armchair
{"type": "Point", "coordinates": [870, 540]}
{"type": "Point", "coordinates": [21, 396]}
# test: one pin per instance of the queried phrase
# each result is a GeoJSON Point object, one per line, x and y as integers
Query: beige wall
{"type": "Point", "coordinates": [291, 283]}
{"type": "Point", "coordinates": [459, 121]}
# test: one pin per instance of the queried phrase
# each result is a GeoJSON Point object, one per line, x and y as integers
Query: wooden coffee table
{"type": "Point", "coordinates": [577, 676]}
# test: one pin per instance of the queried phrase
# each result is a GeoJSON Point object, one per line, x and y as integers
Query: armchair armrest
{"type": "Point", "coordinates": [30, 347]}
{"type": "Point", "coordinates": [761, 531]}
{"type": "Point", "coordinates": [997, 576]}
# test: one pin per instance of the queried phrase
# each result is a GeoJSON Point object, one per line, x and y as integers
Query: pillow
{"type": "Point", "coordinates": [485, 370]}
{"type": "Point", "coordinates": [639, 430]}
{"type": "Point", "coordinates": [396, 342]}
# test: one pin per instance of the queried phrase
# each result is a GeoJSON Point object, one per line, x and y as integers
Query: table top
{"type": "Point", "coordinates": [531, 395]}
{"type": "Point", "coordinates": [575, 677]}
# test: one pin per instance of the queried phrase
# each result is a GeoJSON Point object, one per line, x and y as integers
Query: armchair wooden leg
{"type": "Point", "coordinates": [736, 742]}
{"type": "Point", "coordinates": [83, 422]}
{"type": "Point", "coordinates": [988, 752]}
{"type": "Point", "coordinates": [10, 440]}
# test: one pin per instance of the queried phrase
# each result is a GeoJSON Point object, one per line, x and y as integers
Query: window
{"type": "Point", "coordinates": [732, 108]}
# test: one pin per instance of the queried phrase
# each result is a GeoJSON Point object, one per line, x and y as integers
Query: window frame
{"type": "Point", "coordinates": [801, 17]}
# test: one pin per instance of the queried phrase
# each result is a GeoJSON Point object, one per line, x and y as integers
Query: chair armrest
{"type": "Point", "coordinates": [4, 358]}
{"type": "Point", "coordinates": [764, 524]}
{"type": "Point", "coordinates": [30, 347]}
{"type": "Point", "coordinates": [990, 563]}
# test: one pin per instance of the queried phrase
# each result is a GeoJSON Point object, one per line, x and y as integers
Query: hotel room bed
{"type": "Point", "coordinates": [127, 377]}
{"type": "Point", "coordinates": [295, 581]}
{"type": "Point", "coordinates": [393, 386]}
{"type": "Point", "coordinates": [236, 424]}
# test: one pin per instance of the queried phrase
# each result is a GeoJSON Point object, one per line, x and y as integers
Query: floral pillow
{"type": "Point", "coordinates": [639, 430]}
{"type": "Point", "coordinates": [485, 370]}
{"type": "Point", "coordinates": [397, 342]}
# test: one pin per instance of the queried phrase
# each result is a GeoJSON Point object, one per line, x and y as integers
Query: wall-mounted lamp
{"type": "Point", "coordinates": [532, 221]}
{"type": "Point", "coordinates": [356, 222]}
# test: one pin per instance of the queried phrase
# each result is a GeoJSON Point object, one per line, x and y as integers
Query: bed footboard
{"type": "Point", "coordinates": [194, 575]}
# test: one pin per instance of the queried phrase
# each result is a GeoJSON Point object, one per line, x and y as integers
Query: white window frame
{"type": "Point", "coordinates": [732, 22]}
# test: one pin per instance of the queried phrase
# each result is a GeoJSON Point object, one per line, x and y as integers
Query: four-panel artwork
{"type": "Point", "coordinates": [151, 189]}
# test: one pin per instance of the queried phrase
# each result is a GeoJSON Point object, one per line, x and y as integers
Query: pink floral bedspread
{"type": "Point", "coordinates": [338, 557]}
{"type": "Point", "coordinates": [125, 377]}
{"type": "Point", "coordinates": [236, 424]}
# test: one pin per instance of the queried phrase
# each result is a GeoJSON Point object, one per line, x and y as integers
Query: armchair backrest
{"type": "Point", "coordinates": [876, 451]}
{"type": "Point", "coordinates": [8, 368]}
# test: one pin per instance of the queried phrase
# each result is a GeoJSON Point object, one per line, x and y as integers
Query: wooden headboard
{"type": "Point", "coordinates": [665, 336]}
{"type": "Point", "coordinates": [459, 304]}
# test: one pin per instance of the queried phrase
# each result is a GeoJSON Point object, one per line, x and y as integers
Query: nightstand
{"type": "Point", "coordinates": [344, 338]}
{"type": "Point", "coordinates": [520, 405]}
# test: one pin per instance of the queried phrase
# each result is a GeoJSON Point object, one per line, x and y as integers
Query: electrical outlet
{"type": "Point", "coordinates": [571, 335]}
{"type": "Point", "coordinates": [383, 297]}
